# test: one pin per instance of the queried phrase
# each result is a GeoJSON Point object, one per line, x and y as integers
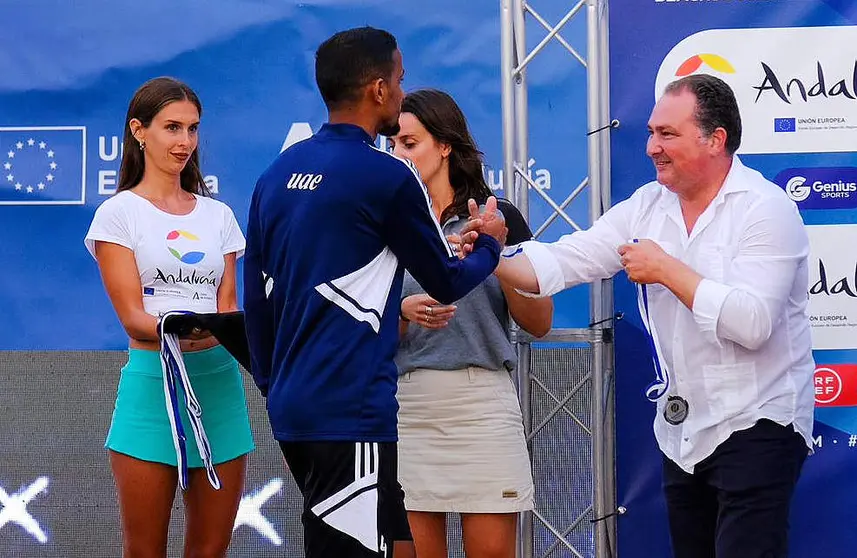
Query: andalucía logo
{"type": "Point", "coordinates": [181, 245]}
{"type": "Point", "coordinates": [797, 78]}
{"type": "Point", "coordinates": [713, 61]}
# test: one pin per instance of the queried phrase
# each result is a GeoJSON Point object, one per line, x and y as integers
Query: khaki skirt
{"type": "Point", "coordinates": [461, 442]}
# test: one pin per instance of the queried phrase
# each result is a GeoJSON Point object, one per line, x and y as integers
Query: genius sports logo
{"type": "Point", "coordinates": [821, 187]}
{"type": "Point", "coordinates": [792, 98]}
{"type": "Point", "coordinates": [183, 245]}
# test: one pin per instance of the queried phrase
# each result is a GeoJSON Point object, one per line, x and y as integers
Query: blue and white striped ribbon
{"type": "Point", "coordinates": [175, 373]}
{"type": "Point", "coordinates": [659, 387]}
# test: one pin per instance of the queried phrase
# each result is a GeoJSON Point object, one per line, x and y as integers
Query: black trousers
{"type": "Point", "coordinates": [736, 503]}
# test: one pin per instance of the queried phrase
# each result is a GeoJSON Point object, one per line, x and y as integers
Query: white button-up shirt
{"type": "Point", "coordinates": [744, 352]}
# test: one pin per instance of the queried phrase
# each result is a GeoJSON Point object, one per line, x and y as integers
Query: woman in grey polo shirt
{"type": "Point", "coordinates": [461, 438]}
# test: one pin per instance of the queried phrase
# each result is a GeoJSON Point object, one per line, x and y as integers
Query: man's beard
{"type": "Point", "coordinates": [390, 129]}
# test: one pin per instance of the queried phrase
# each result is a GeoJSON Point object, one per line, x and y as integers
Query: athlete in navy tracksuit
{"type": "Point", "coordinates": [333, 223]}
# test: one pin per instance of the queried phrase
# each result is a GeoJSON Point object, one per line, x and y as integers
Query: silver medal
{"type": "Point", "coordinates": [675, 410]}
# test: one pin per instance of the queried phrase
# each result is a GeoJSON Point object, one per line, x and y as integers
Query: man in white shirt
{"type": "Point", "coordinates": [719, 255]}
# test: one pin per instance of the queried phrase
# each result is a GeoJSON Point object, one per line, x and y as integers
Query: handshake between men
{"type": "Point", "coordinates": [516, 271]}
{"type": "Point", "coordinates": [483, 220]}
{"type": "Point", "coordinates": [644, 261]}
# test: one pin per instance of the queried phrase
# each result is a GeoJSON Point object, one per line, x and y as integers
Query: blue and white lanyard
{"type": "Point", "coordinates": [659, 387]}
{"type": "Point", "coordinates": [172, 364]}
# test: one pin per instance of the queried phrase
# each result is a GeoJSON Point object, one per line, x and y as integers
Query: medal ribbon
{"type": "Point", "coordinates": [661, 384]}
{"type": "Point", "coordinates": [175, 375]}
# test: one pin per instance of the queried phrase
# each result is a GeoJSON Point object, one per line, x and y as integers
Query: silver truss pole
{"type": "Point", "coordinates": [603, 437]}
{"type": "Point", "coordinates": [514, 112]}
{"type": "Point", "coordinates": [526, 542]}
{"type": "Point", "coordinates": [515, 59]}
{"type": "Point", "coordinates": [522, 143]}
{"type": "Point", "coordinates": [609, 456]}
{"type": "Point", "coordinates": [517, 189]}
{"type": "Point", "coordinates": [507, 86]}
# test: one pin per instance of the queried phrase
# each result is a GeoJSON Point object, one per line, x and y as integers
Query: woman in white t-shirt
{"type": "Point", "coordinates": [163, 244]}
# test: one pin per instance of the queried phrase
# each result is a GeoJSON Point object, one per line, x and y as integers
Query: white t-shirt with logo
{"type": "Point", "coordinates": [180, 258]}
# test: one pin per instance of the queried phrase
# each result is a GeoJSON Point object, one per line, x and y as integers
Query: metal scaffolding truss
{"type": "Point", "coordinates": [515, 14]}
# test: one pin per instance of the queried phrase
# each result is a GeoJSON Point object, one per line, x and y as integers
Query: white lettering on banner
{"type": "Point", "coordinates": [832, 286]}
{"type": "Point", "coordinates": [798, 190]}
{"type": "Point", "coordinates": [300, 131]}
{"type": "Point", "coordinates": [796, 87]}
{"type": "Point", "coordinates": [838, 187]}
{"type": "Point", "coordinates": [13, 509]}
{"type": "Point", "coordinates": [116, 148]}
{"type": "Point", "coordinates": [542, 177]}
{"type": "Point", "coordinates": [106, 182]}
{"type": "Point", "coordinates": [111, 150]}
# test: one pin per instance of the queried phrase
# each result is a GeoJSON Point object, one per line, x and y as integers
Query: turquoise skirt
{"type": "Point", "coordinates": [141, 428]}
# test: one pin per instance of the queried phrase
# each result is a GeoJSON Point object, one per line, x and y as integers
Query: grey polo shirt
{"type": "Point", "coordinates": [477, 335]}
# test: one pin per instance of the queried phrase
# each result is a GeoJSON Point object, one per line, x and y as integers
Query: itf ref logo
{"type": "Point", "coordinates": [835, 385]}
{"type": "Point", "coordinates": [820, 188]}
{"type": "Point", "coordinates": [43, 165]}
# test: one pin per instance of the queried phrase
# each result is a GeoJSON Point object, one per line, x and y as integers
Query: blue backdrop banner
{"type": "Point", "coordinates": [797, 90]}
{"type": "Point", "coordinates": [68, 73]}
